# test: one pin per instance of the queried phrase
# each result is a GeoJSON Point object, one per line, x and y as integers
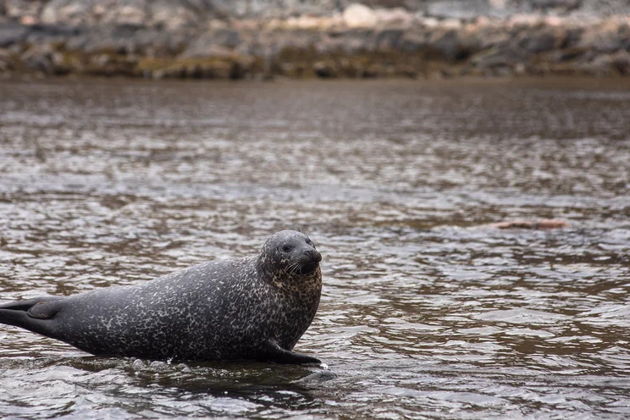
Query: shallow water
{"type": "Point", "coordinates": [426, 310]}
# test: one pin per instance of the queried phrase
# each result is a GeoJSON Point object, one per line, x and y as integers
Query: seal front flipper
{"type": "Point", "coordinates": [275, 353]}
{"type": "Point", "coordinates": [33, 314]}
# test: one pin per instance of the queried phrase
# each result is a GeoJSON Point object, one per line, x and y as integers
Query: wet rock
{"type": "Point", "coordinates": [216, 43]}
{"type": "Point", "coordinates": [324, 69]}
{"type": "Point", "coordinates": [620, 62]}
{"type": "Point", "coordinates": [496, 59]}
{"type": "Point", "coordinates": [413, 41]}
{"type": "Point", "coordinates": [447, 45]}
{"type": "Point", "coordinates": [539, 40]}
{"type": "Point", "coordinates": [5, 61]}
{"type": "Point", "coordinates": [39, 58]}
{"type": "Point", "coordinates": [617, 64]}
{"type": "Point", "coordinates": [224, 67]}
{"type": "Point", "coordinates": [389, 39]}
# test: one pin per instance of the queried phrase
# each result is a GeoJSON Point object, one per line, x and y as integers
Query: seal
{"type": "Point", "coordinates": [251, 308]}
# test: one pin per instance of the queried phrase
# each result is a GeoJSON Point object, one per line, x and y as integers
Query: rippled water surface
{"type": "Point", "coordinates": [427, 310]}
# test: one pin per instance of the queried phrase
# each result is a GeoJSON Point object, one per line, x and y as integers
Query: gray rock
{"type": "Point", "coordinates": [560, 7]}
{"type": "Point", "coordinates": [603, 39]}
{"type": "Point", "coordinates": [538, 41]}
{"type": "Point", "coordinates": [172, 14]}
{"type": "Point", "coordinates": [12, 33]}
{"type": "Point", "coordinates": [572, 37]}
{"type": "Point", "coordinates": [389, 39]}
{"type": "Point", "coordinates": [49, 34]}
{"type": "Point", "coordinates": [39, 58]}
{"type": "Point", "coordinates": [448, 46]}
{"type": "Point", "coordinates": [19, 9]}
{"type": "Point", "coordinates": [603, 8]}
{"type": "Point", "coordinates": [459, 9]}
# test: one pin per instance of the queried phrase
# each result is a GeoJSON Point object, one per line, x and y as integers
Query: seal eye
{"type": "Point", "coordinates": [287, 248]}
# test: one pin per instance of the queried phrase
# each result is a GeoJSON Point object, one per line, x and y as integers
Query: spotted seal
{"type": "Point", "coordinates": [250, 308]}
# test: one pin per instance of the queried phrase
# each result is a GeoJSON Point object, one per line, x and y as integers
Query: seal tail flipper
{"type": "Point", "coordinates": [33, 314]}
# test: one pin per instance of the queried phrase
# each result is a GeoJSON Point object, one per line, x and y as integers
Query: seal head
{"type": "Point", "coordinates": [288, 254]}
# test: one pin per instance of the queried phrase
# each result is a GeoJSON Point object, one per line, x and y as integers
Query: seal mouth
{"type": "Point", "coordinates": [309, 268]}
{"type": "Point", "coordinates": [309, 263]}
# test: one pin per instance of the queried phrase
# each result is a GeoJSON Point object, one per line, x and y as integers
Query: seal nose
{"type": "Point", "coordinates": [313, 255]}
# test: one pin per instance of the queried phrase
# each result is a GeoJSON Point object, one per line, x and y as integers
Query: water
{"type": "Point", "coordinates": [427, 311]}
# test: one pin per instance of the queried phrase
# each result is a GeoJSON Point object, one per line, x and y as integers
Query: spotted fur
{"type": "Point", "coordinates": [251, 308]}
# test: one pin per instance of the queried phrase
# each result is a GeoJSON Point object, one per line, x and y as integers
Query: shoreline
{"type": "Point", "coordinates": [585, 82]}
{"type": "Point", "coordinates": [392, 44]}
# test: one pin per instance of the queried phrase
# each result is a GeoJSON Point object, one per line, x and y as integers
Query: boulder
{"type": "Point", "coordinates": [358, 15]}
{"type": "Point", "coordinates": [11, 34]}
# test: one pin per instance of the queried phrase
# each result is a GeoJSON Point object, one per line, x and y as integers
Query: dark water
{"type": "Point", "coordinates": [426, 310]}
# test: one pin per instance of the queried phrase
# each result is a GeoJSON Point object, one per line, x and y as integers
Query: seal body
{"type": "Point", "coordinates": [251, 308]}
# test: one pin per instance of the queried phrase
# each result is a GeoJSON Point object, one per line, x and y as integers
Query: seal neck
{"type": "Point", "coordinates": [271, 274]}
{"type": "Point", "coordinates": [264, 267]}
{"type": "Point", "coordinates": [282, 279]}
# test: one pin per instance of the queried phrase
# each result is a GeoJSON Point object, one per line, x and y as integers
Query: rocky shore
{"type": "Point", "coordinates": [265, 39]}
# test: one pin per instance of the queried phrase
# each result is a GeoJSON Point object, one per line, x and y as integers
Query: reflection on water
{"type": "Point", "coordinates": [426, 310]}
